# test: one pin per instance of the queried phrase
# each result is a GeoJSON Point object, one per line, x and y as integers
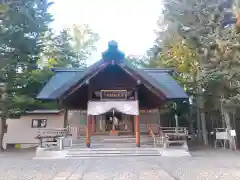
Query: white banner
{"type": "Point", "coordinates": [101, 107]}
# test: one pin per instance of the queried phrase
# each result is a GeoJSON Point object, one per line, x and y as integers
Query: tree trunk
{"type": "Point", "coordinates": [190, 122]}
{"type": "Point", "coordinates": [200, 105]}
{"type": "Point", "coordinates": [227, 119]}
{"type": "Point", "coordinates": [199, 135]}
{"type": "Point", "coordinates": [204, 130]}
{"type": "Point", "coordinates": [2, 131]}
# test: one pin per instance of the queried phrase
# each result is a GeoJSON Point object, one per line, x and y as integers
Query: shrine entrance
{"type": "Point", "coordinates": [114, 111]}
{"type": "Point", "coordinates": [118, 121]}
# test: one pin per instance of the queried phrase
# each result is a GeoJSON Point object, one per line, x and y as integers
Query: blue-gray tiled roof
{"type": "Point", "coordinates": [57, 85]}
{"type": "Point", "coordinates": [171, 87]}
{"type": "Point", "coordinates": [66, 78]}
{"type": "Point", "coordinates": [162, 80]}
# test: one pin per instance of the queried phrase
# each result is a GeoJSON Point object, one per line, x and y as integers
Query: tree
{"type": "Point", "coordinates": [71, 47]}
{"type": "Point", "coordinates": [21, 29]}
{"type": "Point", "coordinates": [83, 41]}
{"type": "Point", "coordinates": [137, 61]}
{"type": "Point", "coordinates": [58, 50]}
{"type": "Point", "coordinates": [26, 99]}
{"type": "Point", "coordinates": [224, 71]}
{"type": "Point", "coordinates": [204, 27]}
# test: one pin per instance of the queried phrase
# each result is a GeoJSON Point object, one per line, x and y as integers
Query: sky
{"type": "Point", "coordinates": [130, 22]}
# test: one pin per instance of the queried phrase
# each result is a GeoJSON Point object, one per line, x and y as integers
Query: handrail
{"type": "Point", "coordinates": [153, 135]}
{"type": "Point", "coordinates": [51, 132]}
{"type": "Point", "coordinates": [178, 130]}
{"type": "Point", "coordinates": [155, 127]}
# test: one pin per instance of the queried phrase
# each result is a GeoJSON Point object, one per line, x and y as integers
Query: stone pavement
{"type": "Point", "coordinates": [204, 165]}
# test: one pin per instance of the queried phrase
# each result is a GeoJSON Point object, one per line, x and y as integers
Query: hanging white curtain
{"type": "Point", "coordinates": [101, 107]}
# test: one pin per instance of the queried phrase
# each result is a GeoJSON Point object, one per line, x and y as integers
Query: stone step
{"type": "Point", "coordinates": [116, 137]}
{"type": "Point", "coordinates": [113, 140]}
{"type": "Point", "coordinates": [90, 150]}
{"type": "Point", "coordinates": [114, 144]}
{"type": "Point", "coordinates": [111, 146]}
{"type": "Point", "coordinates": [111, 152]}
{"type": "Point", "coordinates": [107, 155]}
{"type": "Point", "coordinates": [103, 142]}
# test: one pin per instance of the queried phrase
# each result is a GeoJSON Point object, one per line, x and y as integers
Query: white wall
{"type": "Point", "coordinates": [20, 131]}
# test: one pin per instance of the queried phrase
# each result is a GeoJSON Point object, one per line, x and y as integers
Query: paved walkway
{"type": "Point", "coordinates": [204, 165]}
{"type": "Point", "coordinates": [114, 169]}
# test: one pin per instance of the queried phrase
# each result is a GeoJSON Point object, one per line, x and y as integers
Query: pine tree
{"type": "Point", "coordinates": [21, 31]}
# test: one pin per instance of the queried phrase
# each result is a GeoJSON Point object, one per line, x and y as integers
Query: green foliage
{"type": "Point", "coordinates": [182, 57]}
{"type": "Point", "coordinates": [198, 36]}
{"type": "Point", "coordinates": [137, 61]}
{"type": "Point", "coordinates": [59, 51]}
{"type": "Point", "coordinates": [70, 48]}
{"type": "Point", "coordinates": [21, 30]}
{"type": "Point", "coordinates": [25, 41]}
{"type": "Point", "coordinates": [83, 41]}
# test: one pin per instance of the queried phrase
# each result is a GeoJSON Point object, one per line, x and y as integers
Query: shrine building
{"type": "Point", "coordinates": [113, 94]}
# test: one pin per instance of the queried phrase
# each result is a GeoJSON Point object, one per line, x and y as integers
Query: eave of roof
{"type": "Point", "coordinates": [68, 69]}
{"type": "Point", "coordinates": [45, 111]}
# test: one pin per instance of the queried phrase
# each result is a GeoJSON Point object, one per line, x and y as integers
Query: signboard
{"type": "Point", "coordinates": [233, 133]}
{"type": "Point", "coordinates": [114, 94]}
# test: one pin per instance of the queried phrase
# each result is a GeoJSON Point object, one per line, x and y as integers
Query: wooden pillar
{"type": "Point", "coordinates": [93, 124]}
{"type": "Point", "coordinates": [88, 131]}
{"type": "Point", "coordinates": [100, 123]}
{"type": "Point", "coordinates": [137, 120]}
{"type": "Point", "coordinates": [65, 121]}
{"type": "Point", "coordinates": [137, 130]}
{"type": "Point", "coordinates": [89, 117]}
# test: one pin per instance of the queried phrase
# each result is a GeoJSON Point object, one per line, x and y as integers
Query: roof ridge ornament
{"type": "Point", "coordinates": [113, 53]}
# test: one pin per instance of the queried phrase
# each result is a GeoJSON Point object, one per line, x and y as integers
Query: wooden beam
{"type": "Point", "coordinates": [137, 78]}
{"type": "Point", "coordinates": [93, 124]}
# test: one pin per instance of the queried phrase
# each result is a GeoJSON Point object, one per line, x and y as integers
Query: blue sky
{"type": "Point", "coordinates": [130, 22]}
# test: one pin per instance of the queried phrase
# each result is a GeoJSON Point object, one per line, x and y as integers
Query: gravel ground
{"type": "Point", "coordinates": [203, 165]}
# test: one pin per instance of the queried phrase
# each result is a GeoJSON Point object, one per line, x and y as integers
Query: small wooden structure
{"type": "Point", "coordinates": [23, 130]}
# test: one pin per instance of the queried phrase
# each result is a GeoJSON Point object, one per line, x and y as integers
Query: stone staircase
{"type": "Point", "coordinates": [112, 146]}
{"type": "Point", "coordinates": [114, 142]}
{"type": "Point", "coordinates": [110, 152]}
